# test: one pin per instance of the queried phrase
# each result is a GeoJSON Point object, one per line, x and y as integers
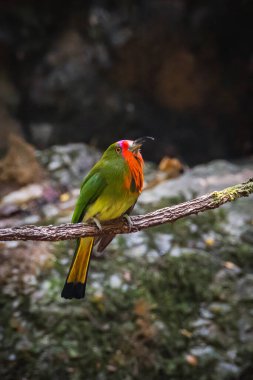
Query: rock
{"type": "Point", "coordinates": [137, 251]}
{"type": "Point", "coordinates": [152, 256]}
{"type": "Point", "coordinates": [68, 164]}
{"type": "Point", "coordinates": [24, 195]}
{"type": "Point", "coordinates": [50, 211]}
{"type": "Point", "coordinates": [245, 326]}
{"type": "Point", "coordinates": [20, 166]}
{"type": "Point", "coordinates": [219, 308]}
{"type": "Point", "coordinates": [115, 281]}
{"type": "Point", "coordinates": [247, 235]}
{"type": "Point", "coordinates": [163, 242]}
{"type": "Point", "coordinates": [20, 267]}
{"type": "Point", "coordinates": [9, 210]}
{"type": "Point", "coordinates": [204, 353]}
{"type": "Point", "coordinates": [200, 323]}
{"type": "Point", "coordinates": [227, 371]}
{"type": "Point", "coordinates": [245, 288]}
{"type": "Point", "coordinates": [204, 178]}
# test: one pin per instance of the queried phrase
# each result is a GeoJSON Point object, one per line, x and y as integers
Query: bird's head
{"type": "Point", "coordinates": [127, 148]}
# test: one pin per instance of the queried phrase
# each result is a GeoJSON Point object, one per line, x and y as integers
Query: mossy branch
{"type": "Point", "coordinates": [140, 222]}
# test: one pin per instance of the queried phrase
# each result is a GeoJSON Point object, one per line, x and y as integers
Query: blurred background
{"type": "Point", "coordinates": [174, 302]}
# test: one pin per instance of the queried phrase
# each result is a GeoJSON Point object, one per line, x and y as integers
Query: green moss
{"type": "Point", "coordinates": [134, 331]}
{"type": "Point", "coordinates": [233, 192]}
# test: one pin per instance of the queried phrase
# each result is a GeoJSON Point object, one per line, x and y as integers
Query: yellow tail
{"type": "Point", "coordinates": [76, 281]}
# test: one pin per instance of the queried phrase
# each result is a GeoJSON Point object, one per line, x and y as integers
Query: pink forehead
{"type": "Point", "coordinates": [125, 144]}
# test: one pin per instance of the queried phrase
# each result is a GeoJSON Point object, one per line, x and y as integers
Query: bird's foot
{"type": "Point", "coordinates": [97, 222]}
{"type": "Point", "coordinates": [129, 221]}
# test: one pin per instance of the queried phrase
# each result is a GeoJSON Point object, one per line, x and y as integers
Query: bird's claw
{"type": "Point", "coordinates": [129, 220]}
{"type": "Point", "coordinates": [97, 222]}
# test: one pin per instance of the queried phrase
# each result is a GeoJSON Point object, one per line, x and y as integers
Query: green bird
{"type": "Point", "coordinates": [109, 191]}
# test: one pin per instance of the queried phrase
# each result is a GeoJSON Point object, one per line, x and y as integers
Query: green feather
{"type": "Point", "coordinates": [93, 185]}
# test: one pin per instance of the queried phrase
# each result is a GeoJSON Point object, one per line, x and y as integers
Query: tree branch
{"type": "Point", "coordinates": [140, 222]}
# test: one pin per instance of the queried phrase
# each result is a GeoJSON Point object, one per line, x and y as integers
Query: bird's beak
{"type": "Point", "coordinates": [137, 144]}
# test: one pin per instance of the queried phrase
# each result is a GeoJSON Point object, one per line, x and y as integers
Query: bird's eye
{"type": "Point", "coordinates": [118, 149]}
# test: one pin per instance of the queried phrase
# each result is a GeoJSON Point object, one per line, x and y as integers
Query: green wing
{"type": "Point", "coordinates": [92, 186]}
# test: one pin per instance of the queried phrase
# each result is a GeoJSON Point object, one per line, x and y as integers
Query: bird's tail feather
{"type": "Point", "coordinates": [76, 281]}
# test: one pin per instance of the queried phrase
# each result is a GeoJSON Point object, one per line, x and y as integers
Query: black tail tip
{"type": "Point", "coordinates": [73, 290]}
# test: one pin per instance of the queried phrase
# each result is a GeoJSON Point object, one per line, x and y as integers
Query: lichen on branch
{"type": "Point", "coordinates": [233, 192]}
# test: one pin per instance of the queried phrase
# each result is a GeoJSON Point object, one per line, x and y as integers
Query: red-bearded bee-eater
{"type": "Point", "coordinates": [109, 191]}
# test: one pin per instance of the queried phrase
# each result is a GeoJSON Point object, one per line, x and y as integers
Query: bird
{"type": "Point", "coordinates": [109, 191]}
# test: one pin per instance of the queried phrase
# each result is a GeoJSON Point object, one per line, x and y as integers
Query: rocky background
{"type": "Point", "coordinates": [96, 71]}
{"type": "Point", "coordinates": [174, 302]}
